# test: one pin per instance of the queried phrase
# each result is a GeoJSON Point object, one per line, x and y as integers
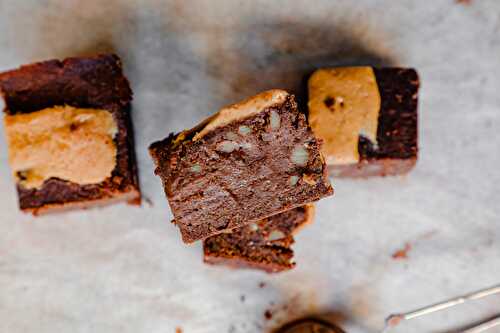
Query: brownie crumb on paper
{"type": "Point", "coordinates": [402, 253]}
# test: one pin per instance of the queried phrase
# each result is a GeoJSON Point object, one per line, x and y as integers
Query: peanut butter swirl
{"type": "Point", "coordinates": [64, 142]}
{"type": "Point", "coordinates": [344, 103]}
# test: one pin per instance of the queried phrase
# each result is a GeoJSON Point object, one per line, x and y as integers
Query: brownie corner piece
{"type": "Point", "coordinates": [367, 118]}
{"type": "Point", "coordinates": [249, 161]}
{"type": "Point", "coordinates": [264, 245]}
{"type": "Point", "coordinates": [69, 133]}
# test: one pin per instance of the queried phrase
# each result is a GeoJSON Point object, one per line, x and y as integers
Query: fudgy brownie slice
{"type": "Point", "coordinates": [249, 161]}
{"type": "Point", "coordinates": [367, 118]}
{"type": "Point", "coordinates": [69, 133]}
{"type": "Point", "coordinates": [264, 244]}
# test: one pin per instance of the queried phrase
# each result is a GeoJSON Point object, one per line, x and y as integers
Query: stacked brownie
{"type": "Point", "coordinates": [239, 169]}
{"type": "Point", "coordinates": [238, 180]}
{"type": "Point", "coordinates": [240, 177]}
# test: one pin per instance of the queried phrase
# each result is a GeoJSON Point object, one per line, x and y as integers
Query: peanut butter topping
{"type": "Point", "coordinates": [242, 110]}
{"type": "Point", "coordinates": [344, 103]}
{"type": "Point", "coordinates": [63, 142]}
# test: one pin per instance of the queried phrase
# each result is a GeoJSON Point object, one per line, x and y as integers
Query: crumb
{"type": "Point", "coordinates": [232, 329]}
{"type": "Point", "coordinates": [268, 314]}
{"type": "Point", "coordinates": [262, 285]}
{"type": "Point", "coordinates": [463, 2]}
{"type": "Point", "coordinates": [402, 253]}
{"type": "Point", "coordinates": [242, 298]}
{"type": "Point", "coordinates": [178, 330]}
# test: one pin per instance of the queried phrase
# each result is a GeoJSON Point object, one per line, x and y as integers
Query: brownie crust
{"type": "Point", "coordinates": [95, 82]}
{"type": "Point", "coordinates": [245, 185]}
{"type": "Point", "coordinates": [397, 132]}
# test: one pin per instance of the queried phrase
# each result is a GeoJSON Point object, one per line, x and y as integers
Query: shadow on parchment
{"type": "Point", "coordinates": [69, 29]}
{"type": "Point", "coordinates": [272, 54]}
{"type": "Point", "coordinates": [196, 65]}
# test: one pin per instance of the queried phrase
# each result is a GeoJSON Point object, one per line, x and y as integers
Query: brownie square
{"type": "Point", "coordinates": [265, 244]}
{"type": "Point", "coordinates": [393, 147]}
{"type": "Point", "coordinates": [249, 161]}
{"type": "Point", "coordinates": [82, 88]}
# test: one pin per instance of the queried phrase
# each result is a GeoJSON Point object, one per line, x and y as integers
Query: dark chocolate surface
{"type": "Point", "coordinates": [211, 191]}
{"type": "Point", "coordinates": [95, 82]}
{"type": "Point", "coordinates": [397, 133]}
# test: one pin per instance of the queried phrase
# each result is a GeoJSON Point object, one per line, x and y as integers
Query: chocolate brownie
{"type": "Point", "coordinates": [264, 244]}
{"type": "Point", "coordinates": [249, 161]}
{"type": "Point", "coordinates": [367, 118]}
{"type": "Point", "coordinates": [69, 132]}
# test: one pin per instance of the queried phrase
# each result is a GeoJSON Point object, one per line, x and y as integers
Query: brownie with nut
{"type": "Point", "coordinates": [264, 245]}
{"type": "Point", "coordinates": [249, 161]}
{"type": "Point", "coordinates": [69, 133]}
{"type": "Point", "coordinates": [367, 118]}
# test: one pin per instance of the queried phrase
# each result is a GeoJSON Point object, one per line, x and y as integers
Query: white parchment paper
{"type": "Point", "coordinates": [125, 269]}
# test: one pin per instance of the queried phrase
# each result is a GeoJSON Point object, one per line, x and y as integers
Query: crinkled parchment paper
{"type": "Point", "coordinates": [124, 269]}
